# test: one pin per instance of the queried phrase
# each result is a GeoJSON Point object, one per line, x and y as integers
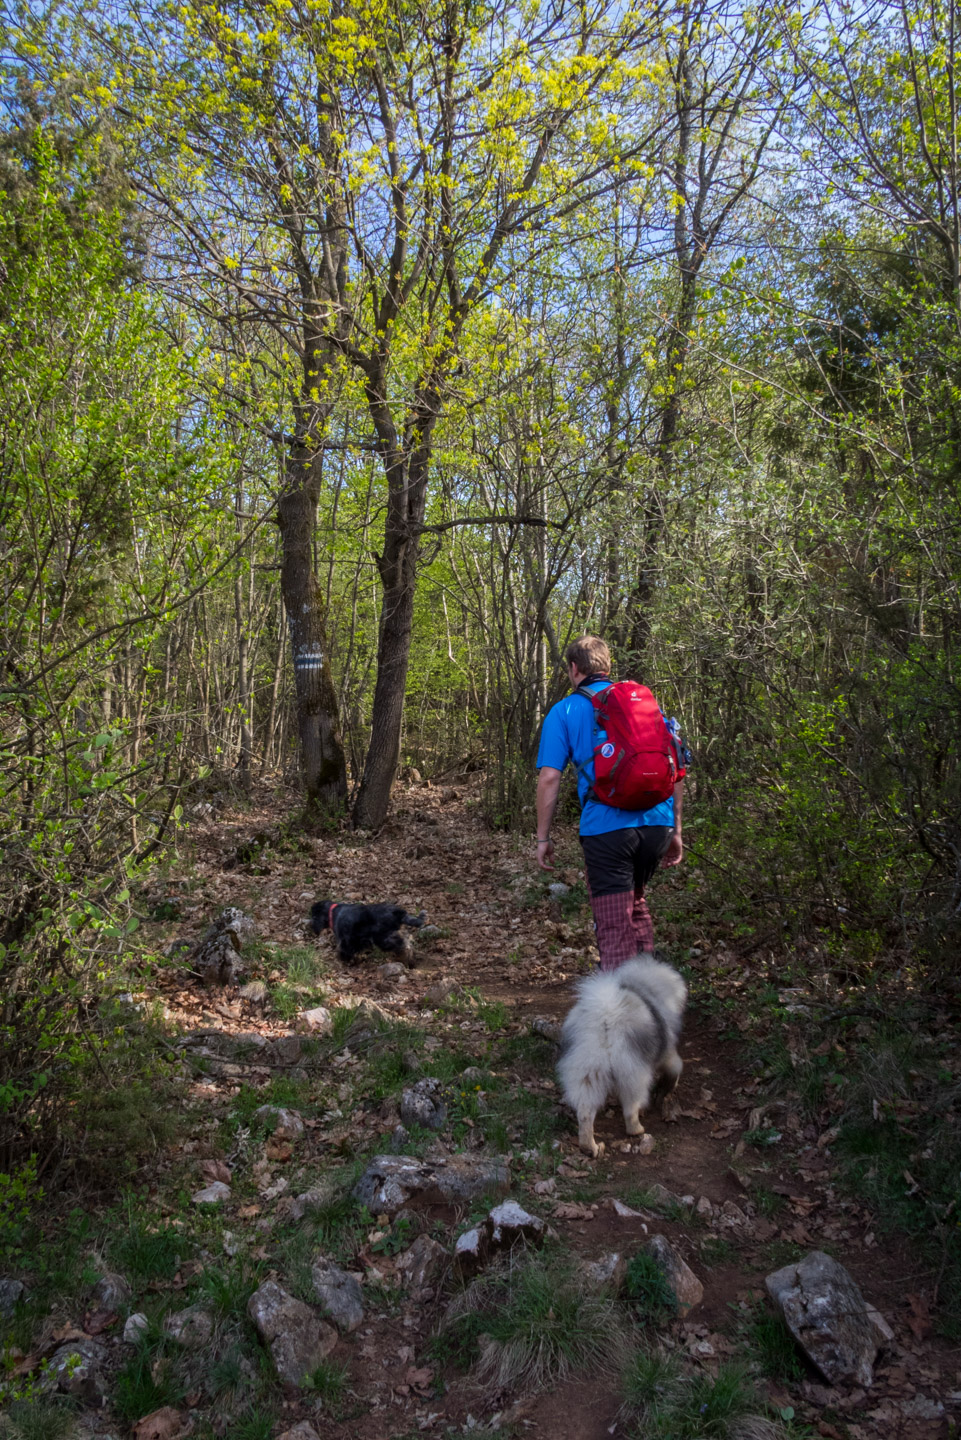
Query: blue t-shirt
{"type": "Point", "coordinates": [568, 735]}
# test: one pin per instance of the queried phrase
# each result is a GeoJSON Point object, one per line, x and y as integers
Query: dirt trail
{"type": "Point", "coordinates": [503, 934]}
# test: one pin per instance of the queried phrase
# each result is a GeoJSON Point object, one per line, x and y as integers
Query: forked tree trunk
{"type": "Point", "coordinates": [321, 748]}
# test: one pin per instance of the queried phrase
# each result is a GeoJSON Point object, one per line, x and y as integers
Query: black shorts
{"type": "Point", "coordinates": [624, 859]}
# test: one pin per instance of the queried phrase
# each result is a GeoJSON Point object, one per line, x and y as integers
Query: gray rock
{"type": "Point", "coordinates": [465, 1177]}
{"type": "Point", "coordinates": [193, 1326]}
{"type": "Point", "coordinates": [216, 959]}
{"type": "Point", "coordinates": [134, 1328]}
{"type": "Point", "coordinates": [548, 1029]}
{"type": "Point", "coordinates": [660, 1197]}
{"type": "Point", "coordinates": [440, 991]}
{"type": "Point", "coordinates": [471, 1250]}
{"type": "Point", "coordinates": [111, 1292]}
{"type": "Point", "coordinates": [474, 1075]}
{"type": "Point", "coordinates": [248, 1046]}
{"type": "Point", "coordinates": [213, 1194]}
{"type": "Point", "coordinates": [558, 889]}
{"type": "Point", "coordinates": [423, 1266]}
{"type": "Point", "coordinates": [317, 1021]}
{"type": "Point", "coordinates": [828, 1317]}
{"type": "Point", "coordinates": [390, 1180]}
{"type": "Point", "coordinates": [399, 1140]}
{"type": "Point", "coordinates": [338, 1294]}
{"type": "Point", "coordinates": [391, 972]}
{"type": "Point", "coordinates": [605, 1273]}
{"type": "Point", "coordinates": [422, 1104]}
{"type": "Point", "coordinates": [297, 1339]}
{"type": "Point", "coordinates": [11, 1293]}
{"type": "Point", "coordinates": [428, 932]}
{"type": "Point", "coordinates": [286, 1124]}
{"type": "Point", "coordinates": [288, 1049]}
{"type": "Point", "coordinates": [296, 1207]}
{"type": "Point", "coordinates": [303, 1431]}
{"type": "Point", "coordinates": [510, 1222]}
{"type": "Point", "coordinates": [687, 1288]}
{"type": "Point", "coordinates": [76, 1368]}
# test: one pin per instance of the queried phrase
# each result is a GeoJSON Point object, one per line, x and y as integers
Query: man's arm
{"type": "Point", "coordinates": [548, 785]}
{"type": "Point", "coordinates": [674, 853]}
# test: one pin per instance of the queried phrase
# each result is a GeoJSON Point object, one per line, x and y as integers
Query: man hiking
{"type": "Point", "coordinates": [623, 750]}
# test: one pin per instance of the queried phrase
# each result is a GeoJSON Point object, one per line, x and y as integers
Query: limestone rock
{"type": "Point", "coordinates": [605, 1273]}
{"type": "Point", "coordinates": [297, 1339]}
{"type": "Point", "coordinates": [390, 1180]}
{"type": "Point", "coordinates": [76, 1369]}
{"type": "Point", "coordinates": [338, 1293]}
{"type": "Point", "coordinates": [547, 1029]}
{"type": "Point", "coordinates": [510, 1222]}
{"type": "Point", "coordinates": [687, 1288]}
{"type": "Point", "coordinates": [285, 1124]}
{"type": "Point", "coordinates": [213, 1194]}
{"type": "Point", "coordinates": [12, 1291]}
{"type": "Point", "coordinates": [288, 1049]}
{"type": "Point", "coordinates": [317, 1021]}
{"type": "Point", "coordinates": [111, 1292]}
{"type": "Point", "coordinates": [297, 1206]}
{"type": "Point", "coordinates": [423, 1266]}
{"type": "Point", "coordinates": [303, 1431]}
{"type": "Point", "coordinates": [471, 1250]}
{"type": "Point", "coordinates": [134, 1328]}
{"type": "Point", "coordinates": [440, 991]}
{"type": "Point", "coordinates": [423, 1104]}
{"type": "Point", "coordinates": [391, 972]}
{"type": "Point", "coordinates": [216, 958]}
{"type": "Point", "coordinates": [400, 1139]}
{"type": "Point", "coordinates": [193, 1326]}
{"type": "Point", "coordinates": [828, 1317]}
{"type": "Point", "coordinates": [558, 890]}
{"type": "Point", "coordinates": [465, 1177]}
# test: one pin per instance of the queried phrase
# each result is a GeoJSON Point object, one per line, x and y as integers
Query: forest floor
{"type": "Point", "coordinates": [749, 1174]}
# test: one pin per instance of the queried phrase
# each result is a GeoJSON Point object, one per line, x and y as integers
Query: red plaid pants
{"type": "Point", "coordinates": [623, 925]}
{"type": "Point", "coordinates": [619, 864]}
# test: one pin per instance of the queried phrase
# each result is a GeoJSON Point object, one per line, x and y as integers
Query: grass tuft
{"type": "Point", "coordinates": [662, 1402]}
{"type": "Point", "coordinates": [530, 1325]}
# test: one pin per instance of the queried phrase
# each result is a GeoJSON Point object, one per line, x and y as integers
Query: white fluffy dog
{"type": "Point", "coordinates": [621, 1037]}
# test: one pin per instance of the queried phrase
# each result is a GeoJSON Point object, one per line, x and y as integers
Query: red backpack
{"type": "Point", "coordinates": [636, 766]}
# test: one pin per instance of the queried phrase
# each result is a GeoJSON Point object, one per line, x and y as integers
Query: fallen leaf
{"type": "Point", "coordinates": [99, 1320]}
{"type": "Point", "coordinates": [247, 1212]}
{"type": "Point", "coordinates": [625, 1211]}
{"type": "Point", "coordinates": [213, 1170]}
{"type": "Point", "coordinates": [919, 1320]}
{"type": "Point", "coordinates": [419, 1379]}
{"type": "Point", "coordinates": [277, 1149]}
{"type": "Point", "coordinates": [63, 1333]}
{"type": "Point", "coordinates": [164, 1424]}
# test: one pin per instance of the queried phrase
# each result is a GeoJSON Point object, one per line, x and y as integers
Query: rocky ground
{"type": "Point", "coordinates": [269, 1275]}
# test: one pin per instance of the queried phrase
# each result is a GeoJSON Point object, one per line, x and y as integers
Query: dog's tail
{"type": "Point", "coordinates": [415, 921]}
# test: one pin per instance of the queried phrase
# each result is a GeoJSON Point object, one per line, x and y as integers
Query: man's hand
{"type": "Point", "coordinates": [548, 785]}
{"type": "Point", "coordinates": [674, 853]}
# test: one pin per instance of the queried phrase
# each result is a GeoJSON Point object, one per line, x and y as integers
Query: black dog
{"type": "Point", "coordinates": [358, 927]}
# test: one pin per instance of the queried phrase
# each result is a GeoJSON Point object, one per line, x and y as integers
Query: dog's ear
{"type": "Point", "coordinates": [318, 916]}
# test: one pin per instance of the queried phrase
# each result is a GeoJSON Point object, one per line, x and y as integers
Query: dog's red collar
{"type": "Point", "coordinates": [330, 917]}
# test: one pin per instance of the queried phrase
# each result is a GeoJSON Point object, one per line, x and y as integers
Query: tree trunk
{"type": "Point", "coordinates": [407, 498]}
{"type": "Point", "coordinates": [321, 748]}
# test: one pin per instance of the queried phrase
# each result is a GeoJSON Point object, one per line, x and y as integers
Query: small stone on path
{"type": "Point", "coordinates": [214, 1194]}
